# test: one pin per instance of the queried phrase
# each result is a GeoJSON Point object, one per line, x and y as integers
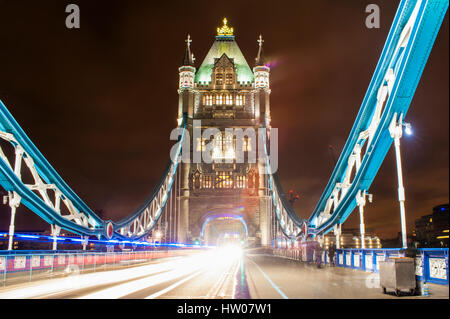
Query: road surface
{"type": "Point", "coordinates": [215, 274]}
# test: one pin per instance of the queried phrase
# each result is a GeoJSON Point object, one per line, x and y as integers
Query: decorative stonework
{"type": "Point", "coordinates": [225, 30]}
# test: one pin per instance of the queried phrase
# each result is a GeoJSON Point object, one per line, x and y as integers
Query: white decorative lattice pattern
{"type": "Point", "coordinates": [438, 268]}
{"type": "Point", "coordinates": [357, 260]}
{"type": "Point", "coordinates": [20, 262]}
{"type": "Point", "coordinates": [419, 266]}
{"type": "Point", "coordinates": [379, 258]}
{"type": "Point", "coordinates": [341, 259]}
{"type": "Point", "coordinates": [61, 259]}
{"type": "Point", "coordinates": [48, 260]}
{"type": "Point", "coordinates": [35, 261]}
{"type": "Point", "coordinates": [369, 263]}
{"type": "Point", "coordinates": [348, 260]}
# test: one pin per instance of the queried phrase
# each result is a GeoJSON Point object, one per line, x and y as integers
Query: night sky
{"type": "Point", "coordinates": [100, 102]}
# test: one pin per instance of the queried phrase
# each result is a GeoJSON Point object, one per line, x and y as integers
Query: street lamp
{"type": "Point", "coordinates": [158, 235]}
{"type": "Point", "coordinates": [408, 129]}
{"type": "Point", "coordinates": [396, 131]}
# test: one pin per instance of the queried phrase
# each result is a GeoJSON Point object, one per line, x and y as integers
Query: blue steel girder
{"type": "Point", "coordinates": [388, 97]}
{"type": "Point", "coordinates": [396, 77]}
{"type": "Point", "coordinates": [81, 219]}
{"type": "Point", "coordinates": [390, 93]}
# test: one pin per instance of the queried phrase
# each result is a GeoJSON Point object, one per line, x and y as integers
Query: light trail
{"type": "Point", "coordinates": [81, 281]}
{"type": "Point", "coordinates": [128, 281]}
{"type": "Point", "coordinates": [175, 285]}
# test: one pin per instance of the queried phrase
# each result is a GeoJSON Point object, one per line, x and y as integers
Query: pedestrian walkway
{"type": "Point", "coordinates": [274, 277]}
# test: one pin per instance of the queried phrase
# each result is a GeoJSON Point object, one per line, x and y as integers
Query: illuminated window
{"type": "Point", "coordinates": [241, 181]}
{"type": "Point", "coordinates": [239, 100]}
{"type": "Point", "coordinates": [224, 180]}
{"type": "Point", "coordinates": [208, 100]}
{"type": "Point", "coordinates": [219, 78]}
{"type": "Point", "coordinates": [219, 99]}
{"type": "Point", "coordinates": [228, 147]}
{"type": "Point", "coordinates": [224, 146]}
{"type": "Point", "coordinates": [217, 150]}
{"type": "Point", "coordinates": [201, 145]}
{"type": "Point", "coordinates": [229, 79]}
{"type": "Point", "coordinates": [206, 181]}
{"type": "Point", "coordinates": [228, 99]}
{"type": "Point", "coordinates": [246, 144]}
{"type": "Point", "coordinates": [196, 180]}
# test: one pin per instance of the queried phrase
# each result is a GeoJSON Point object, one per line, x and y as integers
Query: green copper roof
{"type": "Point", "coordinates": [228, 46]}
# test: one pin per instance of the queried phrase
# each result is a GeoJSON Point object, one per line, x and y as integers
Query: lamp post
{"type": "Point", "coordinates": [396, 131]}
{"type": "Point", "coordinates": [361, 202]}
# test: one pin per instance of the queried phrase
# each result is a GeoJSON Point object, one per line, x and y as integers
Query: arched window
{"type": "Point", "coordinates": [239, 99]}
{"type": "Point", "coordinates": [196, 180]}
{"type": "Point", "coordinates": [206, 181]}
{"type": "Point", "coordinates": [229, 78]}
{"type": "Point", "coordinates": [208, 99]}
{"type": "Point", "coordinates": [224, 180]}
{"type": "Point", "coordinates": [229, 99]}
{"type": "Point", "coordinates": [219, 100]}
{"type": "Point", "coordinates": [241, 181]}
{"type": "Point", "coordinates": [219, 78]}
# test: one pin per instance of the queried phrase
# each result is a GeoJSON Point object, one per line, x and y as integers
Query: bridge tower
{"type": "Point", "coordinates": [224, 197]}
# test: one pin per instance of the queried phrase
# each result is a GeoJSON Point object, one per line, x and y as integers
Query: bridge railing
{"type": "Point", "coordinates": [22, 266]}
{"type": "Point", "coordinates": [431, 263]}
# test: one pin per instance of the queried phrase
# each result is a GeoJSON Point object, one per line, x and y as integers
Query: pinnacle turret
{"type": "Point", "coordinates": [259, 61]}
{"type": "Point", "coordinates": [188, 59]}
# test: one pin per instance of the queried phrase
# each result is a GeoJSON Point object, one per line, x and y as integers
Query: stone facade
{"type": "Point", "coordinates": [221, 197]}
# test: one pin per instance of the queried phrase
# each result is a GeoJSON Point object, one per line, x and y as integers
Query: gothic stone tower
{"type": "Point", "coordinates": [224, 197]}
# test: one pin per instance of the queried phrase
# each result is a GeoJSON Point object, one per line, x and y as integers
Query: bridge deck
{"type": "Point", "coordinates": [211, 275]}
{"type": "Point", "coordinates": [272, 277]}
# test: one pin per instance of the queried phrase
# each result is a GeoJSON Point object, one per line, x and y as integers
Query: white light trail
{"type": "Point", "coordinates": [131, 280]}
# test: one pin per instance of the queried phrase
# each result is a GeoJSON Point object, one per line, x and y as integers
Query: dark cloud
{"type": "Point", "coordinates": [100, 102]}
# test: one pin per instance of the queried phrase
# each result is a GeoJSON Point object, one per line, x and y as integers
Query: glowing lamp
{"type": "Point", "coordinates": [408, 129]}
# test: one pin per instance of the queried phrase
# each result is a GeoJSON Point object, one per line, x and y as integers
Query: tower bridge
{"type": "Point", "coordinates": [224, 93]}
{"type": "Point", "coordinates": [226, 199]}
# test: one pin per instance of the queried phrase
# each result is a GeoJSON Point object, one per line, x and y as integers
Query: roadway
{"type": "Point", "coordinates": [214, 274]}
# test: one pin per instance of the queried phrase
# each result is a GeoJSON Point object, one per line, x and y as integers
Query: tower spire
{"type": "Point", "coordinates": [188, 59]}
{"type": "Point", "coordinates": [260, 57]}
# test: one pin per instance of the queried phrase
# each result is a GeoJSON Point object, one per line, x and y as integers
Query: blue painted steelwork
{"type": "Point", "coordinates": [10, 182]}
{"type": "Point", "coordinates": [395, 79]}
{"type": "Point", "coordinates": [407, 61]}
{"type": "Point", "coordinates": [370, 258]}
{"type": "Point", "coordinates": [408, 65]}
{"type": "Point", "coordinates": [71, 240]}
{"type": "Point", "coordinates": [431, 263]}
